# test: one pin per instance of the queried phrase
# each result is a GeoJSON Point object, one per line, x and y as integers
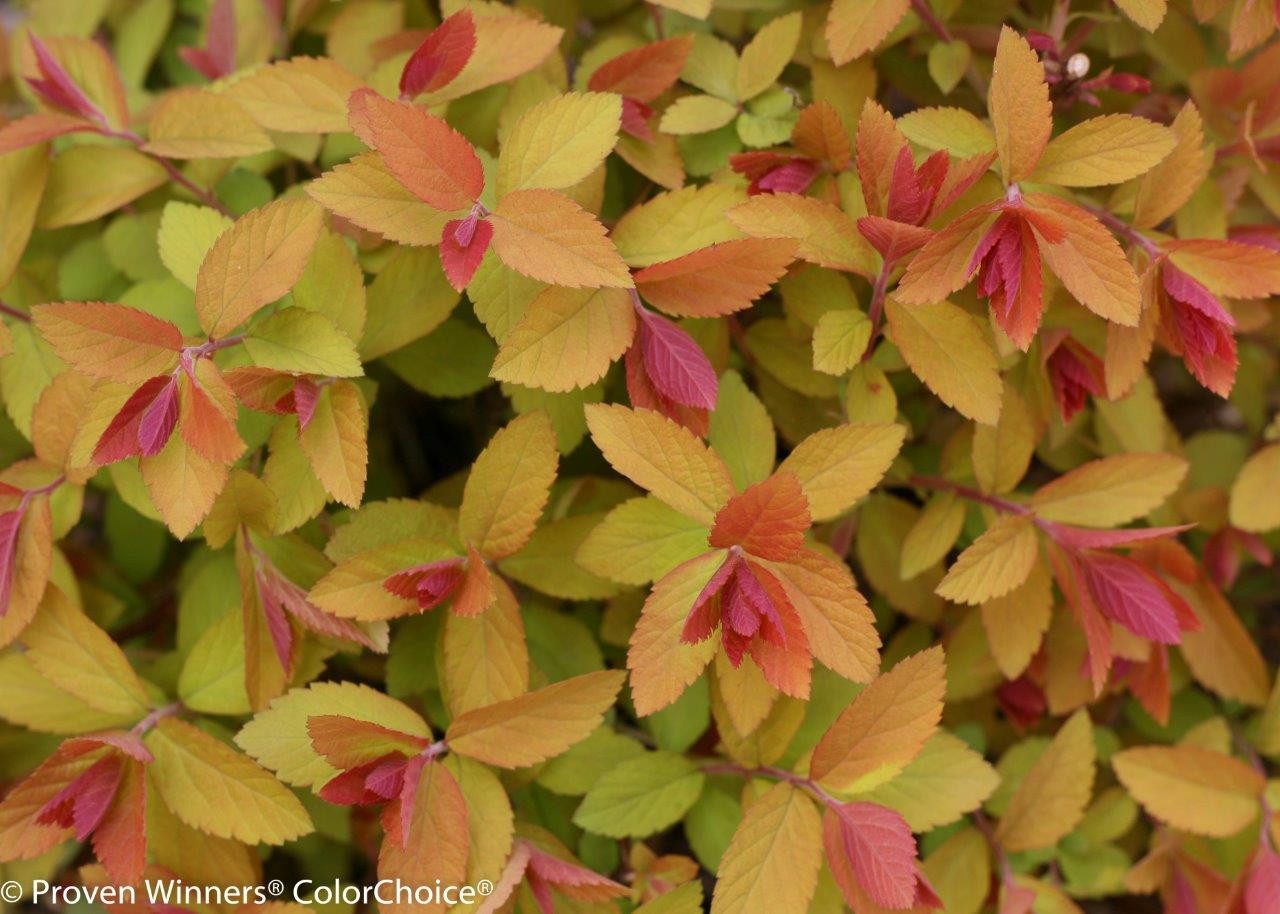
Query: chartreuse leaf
{"type": "Point", "coordinates": [641, 796]}
{"type": "Point", "coordinates": [994, 564]}
{"type": "Point", "coordinates": [557, 143]}
{"type": "Point", "coordinates": [212, 787]}
{"type": "Point", "coordinates": [508, 486]}
{"type": "Point", "coordinates": [303, 342]}
{"type": "Point", "coordinates": [1110, 491]}
{"type": "Point", "coordinates": [949, 351]}
{"type": "Point", "coordinates": [187, 231]}
{"type": "Point", "coordinates": [1251, 506]}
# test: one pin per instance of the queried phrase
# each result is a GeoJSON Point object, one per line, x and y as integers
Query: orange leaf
{"type": "Point", "coordinates": [109, 341]}
{"type": "Point", "coordinates": [1019, 104]}
{"type": "Point", "coordinates": [547, 236]}
{"type": "Point", "coordinates": [885, 727]}
{"type": "Point", "coordinates": [645, 72]}
{"type": "Point", "coordinates": [716, 280]}
{"type": "Point", "coordinates": [427, 155]}
{"type": "Point", "coordinates": [768, 520]}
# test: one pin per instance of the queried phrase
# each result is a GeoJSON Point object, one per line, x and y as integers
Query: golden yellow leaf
{"type": "Point", "coordinates": [837, 466]}
{"type": "Point", "coordinates": [1016, 622]}
{"type": "Point", "coordinates": [89, 181]}
{"type": "Point", "coordinates": [255, 262]}
{"type": "Point", "coordinates": [508, 486]}
{"type": "Point", "coordinates": [662, 456]}
{"type": "Point", "coordinates": [1018, 100]}
{"type": "Point", "coordinates": [1002, 452]}
{"type": "Point", "coordinates": [1192, 789]}
{"type": "Point", "coordinates": [567, 339]}
{"type": "Point", "coordinates": [299, 95]}
{"type": "Point", "coordinates": [662, 665]}
{"type": "Point", "coordinates": [545, 235]}
{"type": "Point", "coordinates": [854, 27]}
{"type": "Point", "coordinates": [826, 234]}
{"type": "Point", "coordinates": [944, 782]}
{"type": "Point", "coordinates": [933, 534]}
{"type": "Point", "coordinates": [23, 173]}
{"type": "Point", "coordinates": [1110, 491]}
{"type": "Point", "coordinates": [1254, 505]}
{"type": "Point", "coordinates": [1104, 150]}
{"type": "Point", "coordinates": [772, 860]}
{"type": "Point", "coordinates": [1164, 189]}
{"type": "Point", "coordinates": [486, 659]}
{"type": "Point", "coordinates": [878, 735]}
{"type": "Point", "coordinates": [537, 725]}
{"type": "Point", "coordinates": [948, 349]}
{"type": "Point", "coordinates": [365, 192]}
{"type": "Point", "coordinates": [995, 563]}
{"type": "Point", "coordinates": [182, 484]}
{"type": "Point", "coordinates": [508, 43]}
{"type": "Point", "coordinates": [335, 442]}
{"type": "Point", "coordinates": [557, 143]}
{"type": "Point", "coordinates": [767, 54]}
{"type": "Point", "coordinates": [1050, 800]}
{"type": "Point", "coordinates": [1146, 13]}
{"type": "Point", "coordinates": [677, 223]}
{"type": "Point", "coordinates": [1090, 262]}
{"type": "Point", "coordinates": [697, 114]}
{"type": "Point", "coordinates": [199, 124]}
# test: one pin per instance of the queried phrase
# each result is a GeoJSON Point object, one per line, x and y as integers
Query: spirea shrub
{"type": "Point", "coordinates": [737, 455]}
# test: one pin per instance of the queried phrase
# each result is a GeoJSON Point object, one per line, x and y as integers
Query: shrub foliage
{"type": "Point", "coordinates": [810, 455]}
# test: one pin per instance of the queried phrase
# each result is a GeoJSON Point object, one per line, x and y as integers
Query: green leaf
{"type": "Point", "coordinates": [641, 796]}
{"type": "Point", "coordinates": [303, 342]}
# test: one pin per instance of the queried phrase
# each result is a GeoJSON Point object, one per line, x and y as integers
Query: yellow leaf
{"type": "Point", "coordinates": [278, 737]}
{"type": "Point", "coordinates": [826, 234]}
{"type": "Point", "coordinates": [1164, 189]}
{"type": "Point", "coordinates": [1229, 268]}
{"type": "Point", "coordinates": [198, 124]}
{"type": "Point", "coordinates": [960, 870]}
{"type": "Point", "coordinates": [182, 484]}
{"type": "Point", "coordinates": [1110, 491]}
{"type": "Point", "coordinates": [956, 130]}
{"type": "Point", "coordinates": [567, 339]}
{"type": "Point", "coordinates": [1002, 452]}
{"type": "Point", "coordinates": [557, 143]}
{"type": "Point", "coordinates": [697, 114]}
{"type": "Point", "coordinates": [89, 181]}
{"type": "Point", "coordinates": [1017, 621]}
{"type": "Point", "coordinates": [767, 54]}
{"type": "Point", "coordinates": [1254, 505]}
{"type": "Point", "coordinates": [508, 486]}
{"type": "Point", "coordinates": [1222, 654]}
{"type": "Point", "coordinates": [1103, 150]}
{"type": "Point", "coordinates": [839, 340]}
{"type": "Point", "coordinates": [677, 223]}
{"type": "Point", "coordinates": [545, 235]}
{"type": "Point", "coordinates": [944, 782]}
{"type": "Point", "coordinates": [854, 27]}
{"type": "Point", "coordinates": [23, 173]}
{"type": "Point", "coordinates": [772, 861]}
{"type": "Point", "coordinates": [1018, 100]}
{"type": "Point", "coordinates": [508, 44]}
{"type": "Point", "coordinates": [878, 735]}
{"type": "Point", "coordinates": [933, 534]}
{"type": "Point", "coordinates": [300, 341]}
{"type": "Point", "coordinates": [187, 231]}
{"type": "Point", "coordinates": [840, 627]}
{"type": "Point", "coordinates": [255, 262]}
{"type": "Point", "coordinates": [948, 349]}
{"type": "Point", "coordinates": [335, 442]}
{"type": "Point", "coordinates": [1192, 789]}
{"type": "Point", "coordinates": [212, 787]}
{"type": "Point", "coordinates": [74, 654]}
{"type": "Point", "coordinates": [662, 456]}
{"type": "Point", "coordinates": [1050, 801]}
{"type": "Point", "coordinates": [365, 192]}
{"type": "Point", "coordinates": [537, 725]}
{"type": "Point", "coordinates": [996, 562]}
{"type": "Point", "coordinates": [27, 699]}
{"type": "Point", "coordinates": [641, 540]}
{"type": "Point", "coordinates": [1146, 13]}
{"type": "Point", "coordinates": [486, 659]}
{"type": "Point", "coordinates": [299, 95]}
{"type": "Point", "coordinates": [698, 9]}
{"type": "Point", "coordinates": [837, 466]}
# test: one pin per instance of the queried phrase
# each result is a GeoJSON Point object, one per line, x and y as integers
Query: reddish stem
{"type": "Point", "coordinates": [769, 771]}
{"type": "Point", "coordinates": [938, 484]}
{"type": "Point", "coordinates": [1123, 229]}
{"type": "Point", "coordinates": [13, 312]}
{"type": "Point", "coordinates": [876, 309]}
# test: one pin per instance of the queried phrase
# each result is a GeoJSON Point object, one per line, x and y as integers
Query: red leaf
{"type": "Point", "coordinates": [39, 127]}
{"type": "Point", "coordinates": [1262, 892]}
{"type": "Point", "coordinates": [154, 403]}
{"type": "Point", "coordinates": [768, 520]}
{"type": "Point", "coordinates": [1066, 571]}
{"type": "Point", "coordinates": [1083, 538]}
{"type": "Point", "coordinates": [56, 85]}
{"type": "Point", "coordinates": [894, 240]}
{"type": "Point", "coordinates": [120, 840]}
{"type": "Point", "coordinates": [462, 248]}
{"type": "Point", "coordinates": [644, 395]}
{"type": "Point", "coordinates": [218, 57]}
{"type": "Point", "coordinates": [440, 57]}
{"type": "Point", "coordinates": [1130, 594]}
{"type": "Point", "coordinates": [882, 849]}
{"type": "Point", "coordinates": [429, 584]}
{"type": "Point", "coordinates": [83, 802]}
{"type": "Point", "coordinates": [10, 524]}
{"type": "Point", "coordinates": [305, 394]}
{"type": "Point", "coordinates": [573, 879]}
{"type": "Point", "coordinates": [676, 365]}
